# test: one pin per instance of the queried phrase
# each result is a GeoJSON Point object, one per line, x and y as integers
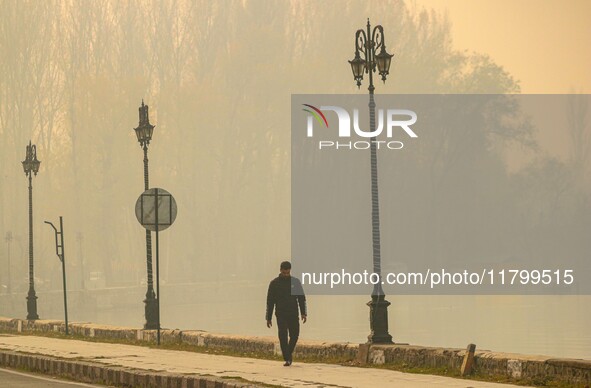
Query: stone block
{"type": "Point", "coordinates": [170, 336]}
{"type": "Point", "coordinates": [514, 368]}
{"type": "Point", "coordinates": [376, 356]}
{"type": "Point", "coordinates": [140, 379]}
{"type": "Point", "coordinates": [96, 373]}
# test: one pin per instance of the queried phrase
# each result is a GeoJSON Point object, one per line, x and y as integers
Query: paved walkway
{"type": "Point", "coordinates": [264, 371]}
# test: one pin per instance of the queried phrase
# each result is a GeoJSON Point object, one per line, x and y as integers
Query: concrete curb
{"type": "Point", "coordinates": [516, 366]}
{"type": "Point", "coordinates": [93, 373]}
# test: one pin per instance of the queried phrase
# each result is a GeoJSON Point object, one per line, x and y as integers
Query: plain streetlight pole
{"type": "Point", "coordinates": [59, 251]}
{"type": "Point", "coordinates": [8, 239]}
{"type": "Point", "coordinates": [31, 166]}
{"type": "Point", "coordinates": [367, 58]}
{"type": "Point", "coordinates": [144, 133]}
{"type": "Point", "coordinates": [79, 238]}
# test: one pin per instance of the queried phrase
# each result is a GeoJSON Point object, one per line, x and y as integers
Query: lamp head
{"type": "Point", "coordinates": [144, 130]}
{"type": "Point", "coordinates": [384, 60]}
{"type": "Point", "coordinates": [358, 67]}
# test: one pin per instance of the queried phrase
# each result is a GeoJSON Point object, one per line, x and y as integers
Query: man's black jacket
{"type": "Point", "coordinates": [280, 297]}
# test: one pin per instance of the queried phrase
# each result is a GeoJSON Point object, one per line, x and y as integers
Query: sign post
{"type": "Point", "coordinates": [156, 210]}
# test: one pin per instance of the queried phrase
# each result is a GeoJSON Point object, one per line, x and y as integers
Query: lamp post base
{"type": "Point", "coordinates": [378, 320]}
{"type": "Point", "coordinates": [151, 311]}
{"type": "Point", "coordinates": [32, 306]}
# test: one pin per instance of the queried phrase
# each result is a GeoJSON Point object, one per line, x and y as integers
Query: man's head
{"type": "Point", "coordinates": [285, 268]}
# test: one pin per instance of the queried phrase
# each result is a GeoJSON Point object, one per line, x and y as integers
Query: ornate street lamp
{"type": "Point", "coordinates": [144, 133]}
{"type": "Point", "coordinates": [367, 58]}
{"type": "Point", "coordinates": [31, 166]}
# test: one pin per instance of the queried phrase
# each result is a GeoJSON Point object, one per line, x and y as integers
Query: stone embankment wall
{"type": "Point", "coordinates": [517, 366]}
{"type": "Point", "coordinates": [111, 375]}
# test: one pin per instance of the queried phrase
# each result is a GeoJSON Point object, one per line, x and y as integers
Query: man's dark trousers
{"type": "Point", "coordinates": [287, 325]}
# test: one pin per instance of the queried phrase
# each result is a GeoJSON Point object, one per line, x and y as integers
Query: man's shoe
{"type": "Point", "coordinates": [287, 363]}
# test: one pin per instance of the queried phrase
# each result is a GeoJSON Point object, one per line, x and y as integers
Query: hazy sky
{"type": "Point", "coordinates": [544, 43]}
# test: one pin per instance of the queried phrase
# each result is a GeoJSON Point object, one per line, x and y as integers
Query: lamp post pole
{"type": "Point", "coordinates": [79, 238]}
{"type": "Point", "coordinates": [59, 251]}
{"type": "Point", "coordinates": [8, 239]}
{"type": "Point", "coordinates": [31, 166]}
{"type": "Point", "coordinates": [367, 58]}
{"type": "Point", "coordinates": [144, 133]}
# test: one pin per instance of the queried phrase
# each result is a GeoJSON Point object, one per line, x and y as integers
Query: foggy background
{"type": "Point", "coordinates": [218, 77]}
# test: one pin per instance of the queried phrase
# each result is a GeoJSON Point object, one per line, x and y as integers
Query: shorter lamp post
{"type": "Point", "coordinates": [144, 133]}
{"type": "Point", "coordinates": [31, 166]}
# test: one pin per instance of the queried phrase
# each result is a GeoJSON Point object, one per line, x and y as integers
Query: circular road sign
{"type": "Point", "coordinates": [155, 209]}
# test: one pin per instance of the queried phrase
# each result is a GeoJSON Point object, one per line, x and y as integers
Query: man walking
{"type": "Point", "coordinates": [285, 294]}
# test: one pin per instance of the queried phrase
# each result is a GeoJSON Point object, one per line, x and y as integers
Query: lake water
{"type": "Point", "coordinates": [557, 326]}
